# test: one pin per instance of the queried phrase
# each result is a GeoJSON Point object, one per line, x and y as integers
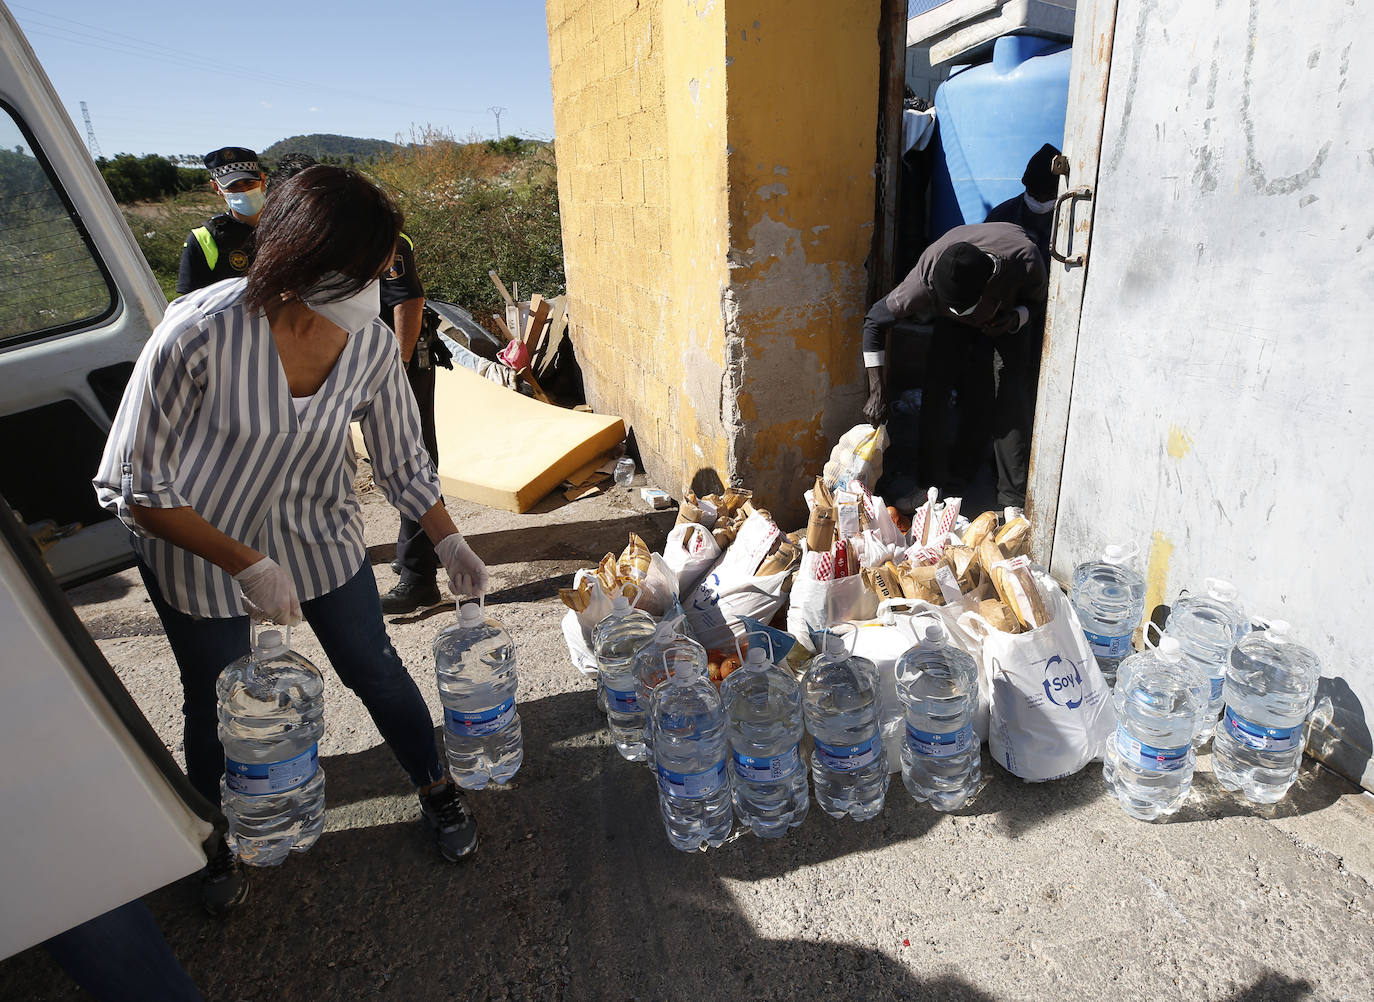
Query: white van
{"type": "Point", "coordinates": [96, 811]}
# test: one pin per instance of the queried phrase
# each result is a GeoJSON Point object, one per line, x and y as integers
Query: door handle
{"type": "Point", "coordinates": [1084, 193]}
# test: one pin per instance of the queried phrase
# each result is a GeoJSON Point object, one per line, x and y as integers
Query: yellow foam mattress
{"type": "Point", "coordinates": [506, 450]}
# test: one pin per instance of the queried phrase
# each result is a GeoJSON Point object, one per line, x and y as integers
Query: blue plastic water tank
{"type": "Point", "coordinates": [993, 117]}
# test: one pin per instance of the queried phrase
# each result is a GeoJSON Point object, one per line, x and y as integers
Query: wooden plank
{"type": "Point", "coordinates": [558, 326]}
{"type": "Point", "coordinates": [539, 393]}
{"type": "Point", "coordinates": [505, 331]}
{"type": "Point", "coordinates": [500, 286]}
{"type": "Point", "coordinates": [534, 329]}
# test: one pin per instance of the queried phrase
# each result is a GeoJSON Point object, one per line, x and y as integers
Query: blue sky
{"type": "Point", "coordinates": [188, 77]}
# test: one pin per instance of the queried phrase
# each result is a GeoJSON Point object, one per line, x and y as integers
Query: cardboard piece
{"type": "Point", "coordinates": [504, 450]}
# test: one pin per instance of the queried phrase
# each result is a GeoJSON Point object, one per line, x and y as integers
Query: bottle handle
{"type": "Point", "coordinates": [1145, 635]}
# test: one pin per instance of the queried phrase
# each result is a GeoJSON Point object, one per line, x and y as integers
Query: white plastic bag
{"type": "Point", "coordinates": [858, 455]}
{"type": "Point", "coordinates": [815, 605]}
{"type": "Point", "coordinates": [579, 650]}
{"type": "Point", "coordinates": [1051, 710]}
{"type": "Point", "coordinates": [720, 600]}
{"type": "Point", "coordinates": [690, 552]}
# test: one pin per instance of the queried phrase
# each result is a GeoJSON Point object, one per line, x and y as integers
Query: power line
{"type": "Point", "coordinates": [92, 143]}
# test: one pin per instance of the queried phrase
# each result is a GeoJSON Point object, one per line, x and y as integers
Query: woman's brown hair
{"type": "Point", "coordinates": [323, 223]}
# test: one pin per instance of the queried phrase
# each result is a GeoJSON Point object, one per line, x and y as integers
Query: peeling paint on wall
{"type": "Point", "coordinates": [1180, 442]}
{"type": "Point", "coordinates": [1157, 572]}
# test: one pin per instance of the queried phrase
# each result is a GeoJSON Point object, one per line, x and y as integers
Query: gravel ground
{"type": "Point", "coordinates": [1045, 891]}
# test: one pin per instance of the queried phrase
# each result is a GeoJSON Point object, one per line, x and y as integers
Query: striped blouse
{"type": "Point", "coordinates": [207, 421]}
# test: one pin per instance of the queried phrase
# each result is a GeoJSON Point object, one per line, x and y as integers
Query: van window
{"type": "Point", "coordinates": [50, 278]}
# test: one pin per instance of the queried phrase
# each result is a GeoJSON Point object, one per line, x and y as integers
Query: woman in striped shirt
{"type": "Point", "coordinates": [231, 461]}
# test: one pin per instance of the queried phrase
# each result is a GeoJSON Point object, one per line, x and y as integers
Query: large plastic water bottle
{"type": "Point", "coordinates": [1269, 691]}
{"type": "Point", "coordinates": [938, 685]}
{"type": "Point", "coordinates": [763, 714]}
{"type": "Point", "coordinates": [842, 702]}
{"type": "Point", "coordinates": [614, 643]}
{"type": "Point", "coordinates": [655, 662]}
{"type": "Point", "coordinates": [1149, 763]}
{"type": "Point", "coordinates": [1207, 627]}
{"type": "Point", "coordinates": [271, 716]}
{"type": "Point", "coordinates": [1109, 596]}
{"type": "Point", "coordinates": [688, 723]}
{"type": "Point", "coordinates": [474, 660]}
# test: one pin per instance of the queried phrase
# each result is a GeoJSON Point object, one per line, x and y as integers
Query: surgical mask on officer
{"type": "Point", "coordinates": [246, 203]}
{"type": "Point", "coordinates": [351, 314]}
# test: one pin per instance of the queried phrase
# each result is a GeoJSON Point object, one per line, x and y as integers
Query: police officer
{"type": "Point", "coordinates": [223, 247]}
{"type": "Point", "coordinates": [1033, 209]}
{"type": "Point", "coordinates": [403, 309]}
{"type": "Point", "coordinates": [983, 288]}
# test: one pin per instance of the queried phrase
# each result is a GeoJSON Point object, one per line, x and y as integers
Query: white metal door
{"type": "Point", "coordinates": [1213, 397]}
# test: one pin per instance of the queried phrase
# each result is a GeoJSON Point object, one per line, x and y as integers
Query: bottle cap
{"type": "Point", "coordinates": [755, 657]}
{"type": "Point", "coordinates": [269, 642]}
{"type": "Point", "coordinates": [1119, 553]}
{"type": "Point", "coordinates": [1222, 591]}
{"type": "Point", "coordinates": [934, 633]}
{"type": "Point", "coordinates": [470, 615]}
{"type": "Point", "coordinates": [1279, 631]}
{"type": "Point", "coordinates": [620, 604]}
{"type": "Point", "coordinates": [1169, 649]}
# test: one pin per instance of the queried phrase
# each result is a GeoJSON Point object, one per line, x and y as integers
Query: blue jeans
{"type": "Point", "coordinates": [121, 957]}
{"type": "Point", "coordinates": [348, 624]}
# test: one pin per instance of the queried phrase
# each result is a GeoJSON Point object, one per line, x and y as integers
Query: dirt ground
{"type": "Point", "coordinates": [1034, 891]}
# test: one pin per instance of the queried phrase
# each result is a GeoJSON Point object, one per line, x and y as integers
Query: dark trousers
{"type": "Point", "coordinates": [348, 624]}
{"type": "Point", "coordinates": [414, 551]}
{"type": "Point", "coordinates": [993, 380]}
{"type": "Point", "coordinates": [121, 956]}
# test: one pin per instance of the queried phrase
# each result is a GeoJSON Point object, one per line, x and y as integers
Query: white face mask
{"type": "Point", "coordinates": [355, 312]}
{"type": "Point", "coordinates": [1039, 208]}
{"type": "Point", "coordinates": [246, 203]}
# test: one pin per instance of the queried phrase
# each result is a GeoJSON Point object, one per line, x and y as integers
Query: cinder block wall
{"type": "Point", "coordinates": [716, 184]}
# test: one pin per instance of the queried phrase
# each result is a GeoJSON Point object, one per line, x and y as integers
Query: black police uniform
{"type": "Point", "coordinates": [414, 551]}
{"type": "Point", "coordinates": [230, 244]}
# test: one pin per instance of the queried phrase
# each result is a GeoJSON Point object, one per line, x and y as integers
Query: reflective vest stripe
{"type": "Point", "coordinates": [207, 245]}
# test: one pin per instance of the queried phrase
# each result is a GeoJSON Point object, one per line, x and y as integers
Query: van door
{"type": "Point", "coordinates": [77, 303]}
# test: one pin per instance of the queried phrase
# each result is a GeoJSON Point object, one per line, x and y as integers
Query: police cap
{"type": "Point", "coordinates": [233, 163]}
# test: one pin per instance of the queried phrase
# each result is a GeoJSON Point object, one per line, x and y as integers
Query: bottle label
{"type": "Point", "coordinates": [1150, 757]}
{"type": "Point", "coordinates": [480, 723]}
{"type": "Point", "coordinates": [847, 758]}
{"type": "Point", "coordinates": [1108, 647]}
{"type": "Point", "coordinates": [768, 770]}
{"type": "Point", "coordinates": [937, 745]}
{"type": "Point", "coordinates": [1260, 738]}
{"type": "Point", "coordinates": [692, 785]}
{"type": "Point", "coordinates": [622, 702]}
{"type": "Point", "coordinates": [257, 779]}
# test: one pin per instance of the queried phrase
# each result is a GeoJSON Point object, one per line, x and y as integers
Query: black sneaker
{"type": "Point", "coordinates": [410, 596]}
{"type": "Point", "coordinates": [396, 567]}
{"type": "Point", "coordinates": [223, 884]}
{"type": "Point", "coordinates": [452, 824]}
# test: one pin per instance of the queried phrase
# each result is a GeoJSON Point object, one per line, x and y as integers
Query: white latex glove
{"type": "Point", "coordinates": [467, 575]}
{"type": "Point", "coordinates": [269, 593]}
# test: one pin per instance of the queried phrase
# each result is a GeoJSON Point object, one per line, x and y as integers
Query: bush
{"type": "Point", "coordinates": [476, 206]}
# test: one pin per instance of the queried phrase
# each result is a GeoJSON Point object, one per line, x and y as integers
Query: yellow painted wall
{"type": "Point", "coordinates": [715, 177]}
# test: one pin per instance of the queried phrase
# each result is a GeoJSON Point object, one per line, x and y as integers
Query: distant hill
{"type": "Point", "coordinates": [323, 145]}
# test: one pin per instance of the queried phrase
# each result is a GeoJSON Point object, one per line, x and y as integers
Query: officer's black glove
{"type": "Point", "coordinates": [875, 410]}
